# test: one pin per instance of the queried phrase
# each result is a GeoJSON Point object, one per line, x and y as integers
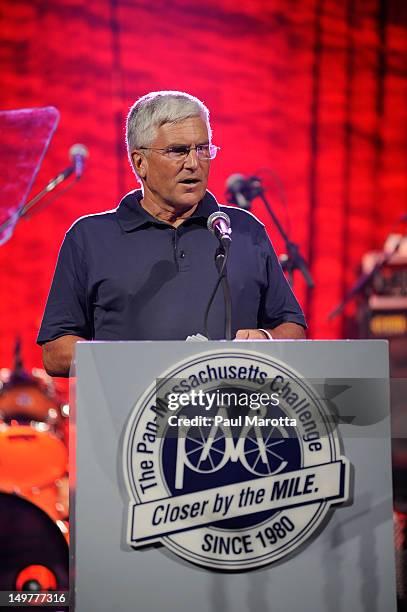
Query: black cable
{"type": "Point", "coordinates": [228, 307]}
{"type": "Point", "coordinates": [220, 277]}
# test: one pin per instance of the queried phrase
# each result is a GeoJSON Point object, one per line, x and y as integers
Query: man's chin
{"type": "Point", "coordinates": [191, 197]}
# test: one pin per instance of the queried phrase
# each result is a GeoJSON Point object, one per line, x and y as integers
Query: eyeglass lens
{"type": "Point", "coordinates": [203, 151]}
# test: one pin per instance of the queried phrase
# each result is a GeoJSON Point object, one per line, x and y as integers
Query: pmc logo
{"type": "Point", "coordinates": [231, 462]}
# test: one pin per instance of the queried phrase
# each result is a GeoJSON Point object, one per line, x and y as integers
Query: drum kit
{"type": "Point", "coordinates": [34, 483]}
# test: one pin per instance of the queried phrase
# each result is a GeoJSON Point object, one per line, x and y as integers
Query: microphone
{"type": "Point", "coordinates": [78, 153]}
{"type": "Point", "coordinates": [219, 225]}
{"type": "Point", "coordinates": [241, 191]}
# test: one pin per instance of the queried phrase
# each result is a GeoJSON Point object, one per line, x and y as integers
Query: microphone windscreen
{"type": "Point", "coordinates": [78, 149]}
{"type": "Point", "coordinates": [235, 182]}
{"type": "Point", "coordinates": [214, 217]}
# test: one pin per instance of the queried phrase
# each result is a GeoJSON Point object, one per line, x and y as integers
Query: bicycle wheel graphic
{"type": "Point", "coordinates": [205, 452]}
{"type": "Point", "coordinates": [261, 448]}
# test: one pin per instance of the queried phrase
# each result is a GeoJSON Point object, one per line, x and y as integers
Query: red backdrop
{"type": "Point", "coordinates": [310, 92]}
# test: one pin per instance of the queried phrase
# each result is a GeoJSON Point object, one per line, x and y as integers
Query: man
{"type": "Point", "coordinates": [146, 270]}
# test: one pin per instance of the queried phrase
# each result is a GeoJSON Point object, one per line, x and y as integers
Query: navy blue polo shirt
{"type": "Point", "coordinates": [124, 275]}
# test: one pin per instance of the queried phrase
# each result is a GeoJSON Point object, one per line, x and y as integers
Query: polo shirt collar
{"type": "Point", "coordinates": [131, 215]}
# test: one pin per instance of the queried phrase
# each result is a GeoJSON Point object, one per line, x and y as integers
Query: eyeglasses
{"type": "Point", "coordinates": [181, 152]}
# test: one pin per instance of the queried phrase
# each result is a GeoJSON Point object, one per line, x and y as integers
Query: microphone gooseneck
{"type": "Point", "coordinates": [219, 225]}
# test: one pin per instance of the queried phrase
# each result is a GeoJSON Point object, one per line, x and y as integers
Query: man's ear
{"type": "Point", "coordinates": [140, 163]}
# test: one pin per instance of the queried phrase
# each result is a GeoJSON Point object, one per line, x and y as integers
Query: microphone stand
{"type": "Point", "coordinates": [221, 257]}
{"type": "Point", "coordinates": [295, 260]}
{"type": "Point", "coordinates": [220, 262]}
{"type": "Point", "coordinates": [62, 176]}
{"type": "Point", "coordinates": [365, 280]}
{"type": "Point", "coordinates": [12, 221]}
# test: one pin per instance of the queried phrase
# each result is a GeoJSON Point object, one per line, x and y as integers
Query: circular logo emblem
{"type": "Point", "coordinates": [231, 461]}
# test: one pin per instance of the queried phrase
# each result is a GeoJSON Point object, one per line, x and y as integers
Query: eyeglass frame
{"type": "Point", "coordinates": [166, 150]}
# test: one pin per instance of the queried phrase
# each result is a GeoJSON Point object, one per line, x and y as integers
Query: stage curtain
{"type": "Point", "coordinates": [308, 94]}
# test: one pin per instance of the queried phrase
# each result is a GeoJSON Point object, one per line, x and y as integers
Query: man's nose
{"type": "Point", "coordinates": [192, 160]}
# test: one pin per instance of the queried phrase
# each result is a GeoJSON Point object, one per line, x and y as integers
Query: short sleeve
{"type": "Point", "coordinates": [278, 303]}
{"type": "Point", "coordinates": [66, 311]}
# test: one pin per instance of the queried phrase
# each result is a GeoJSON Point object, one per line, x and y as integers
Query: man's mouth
{"type": "Point", "coordinates": [190, 181]}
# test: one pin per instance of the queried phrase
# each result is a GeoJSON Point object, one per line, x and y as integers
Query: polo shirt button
{"type": "Point", "coordinates": [182, 254]}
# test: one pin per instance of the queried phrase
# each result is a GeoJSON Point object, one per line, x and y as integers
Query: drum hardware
{"type": "Point", "coordinates": [28, 395]}
{"type": "Point", "coordinates": [36, 578]}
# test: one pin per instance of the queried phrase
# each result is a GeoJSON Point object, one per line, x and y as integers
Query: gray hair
{"type": "Point", "coordinates": [155, 109]}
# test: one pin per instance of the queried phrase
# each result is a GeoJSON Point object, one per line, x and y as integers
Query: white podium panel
{"type": "Point", "coordinates": [220, 476]}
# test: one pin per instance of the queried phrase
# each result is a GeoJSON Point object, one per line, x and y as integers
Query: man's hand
{"type": "Point", "coordinates": [251, 334]}
{"type": "Point", "coordinates": [57, 355]}
{"type": "Point", "coordinates": [285, 331]}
